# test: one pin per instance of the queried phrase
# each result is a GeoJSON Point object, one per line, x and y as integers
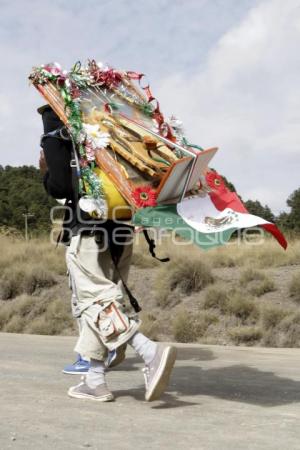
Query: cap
{"type": "Point", "coordinates": [44, 108]}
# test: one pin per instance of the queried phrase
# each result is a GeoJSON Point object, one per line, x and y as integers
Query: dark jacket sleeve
{"type": "Point", "coordinates": [58, 179]}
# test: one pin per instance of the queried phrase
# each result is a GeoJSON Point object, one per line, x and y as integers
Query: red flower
{"type": "Point", "coordinates": [144, 196]}
{"type": "Point", "coordinates": [215, 182]}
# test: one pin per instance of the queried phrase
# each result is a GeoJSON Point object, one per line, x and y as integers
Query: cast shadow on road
{"type": "Point", "coordinates": [239, 383]}
{"type": "Point", "coordinates": [168, 400]}
{"type": "Point", "coordinates": [183, 354]}
{"type": "Point", "coordinates": [235, 383]}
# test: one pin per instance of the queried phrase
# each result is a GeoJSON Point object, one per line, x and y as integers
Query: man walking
{"type": "Point", "coordinates": [98, 259]}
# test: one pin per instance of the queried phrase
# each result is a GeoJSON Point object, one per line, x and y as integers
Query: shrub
{"type": "Point", "coordinates": [215, 298]}
{"type": "Point", "coordinates": [241, 306]}
{"type": "Point", "coordinates": [143, 261]}
{"type": "Point", "coordinates": [183, 328]}
{"type": "Point", "coordinates": [14, 325]}
{"type": "Point", "coordinates": [21, 279]}
{"type": "Point", "coordinates": [262, 288]}
{"type": "Point", "coordinates": [188, 328]}
{"type": "Point", "coordinates": [251, 274]}
{"type": "Point", "coordinates": [294, 287]}
{"type": "Point", "coordinates": [183, 276]}
{"type": "Point", "coordinates": [149, 325]}
{"type": "Point", "coordinates": [290, 328]}
{"type": "Point", "coordinates": [245, 335]}
{"type": "Point", "coordinates": [223, 260]}
{"type": "Point", "coordinates": [272, 316]}
{"type": "Point", "coordinates": [202, 321]}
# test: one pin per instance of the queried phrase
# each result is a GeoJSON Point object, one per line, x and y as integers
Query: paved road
{"type": "Point", "coordinates": [219, 398]}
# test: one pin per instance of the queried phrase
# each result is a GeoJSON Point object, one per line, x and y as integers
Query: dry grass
{"type": "Point", "coordinates": [181, 276]}
{"type": "Point", "coordinates": [36, 315]}
{"type": "Point", "coordinates": [271, 316]}
{"type": "Point", "coordinates": [294, 287]}
{"type": "Point", "coordinates": [242, 307]}
{"type": "Point", "coordinates": [251, 274]}
{"type": "Point", "coordinates": [268, 254]}
{"type": "Point", "coordinates": [233, 302]}
{"type": "Point", "coordinates": [216, 297]}
{"type": "Point", "coordinates": [245, 335]}
{"type": "Point", "coordinates": [189, 328]}
{"type": "Point", "coordinates": [149, 325]}
{"type": "Point", "coordinates": [227, 311]}
{"type": "Point", "coordinates": [24, 279]}
{"type": "Point", "coordinates": [262, 287]}
{"type": "Point", "coordinates": [17, 252]}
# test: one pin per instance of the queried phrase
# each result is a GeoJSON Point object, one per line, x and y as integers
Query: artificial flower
{"type": "Point", "coordinates": [144, 196]}
{"type": "Point", "coordinates": [98, 137]}
{"type": "Point", "coordinates": [215, 181]}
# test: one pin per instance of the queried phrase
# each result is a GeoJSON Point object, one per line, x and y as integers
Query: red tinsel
{"type": "Point", "coordinates": [109, 77]}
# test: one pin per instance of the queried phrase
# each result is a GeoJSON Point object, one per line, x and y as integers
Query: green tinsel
{"type": "Point", "coordinates": [89, 181]}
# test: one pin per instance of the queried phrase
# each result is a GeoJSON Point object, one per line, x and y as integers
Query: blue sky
{"type": "Point", "coordinates": [228, 68]}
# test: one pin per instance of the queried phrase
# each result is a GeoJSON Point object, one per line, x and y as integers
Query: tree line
{"type": "Point", "coordinates": [22, 192]}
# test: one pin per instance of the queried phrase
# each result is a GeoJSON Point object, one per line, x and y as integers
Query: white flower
{"type": "Point", "coordinates": [96, 207]}
{"type": "Point", "coordinates": [98, 137]}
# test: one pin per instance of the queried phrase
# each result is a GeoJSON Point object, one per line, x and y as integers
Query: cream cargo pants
{"type": "Point", "coordinates": [95, 284]}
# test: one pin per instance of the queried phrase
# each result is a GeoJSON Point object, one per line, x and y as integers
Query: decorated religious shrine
{"type": "Point", "coordinates": [135, 164]}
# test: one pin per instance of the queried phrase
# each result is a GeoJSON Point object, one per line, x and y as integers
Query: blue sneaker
{"type": "Point", "coordinates": [78, 367]}
{"type": "Point", "coordinates": [115, 357]}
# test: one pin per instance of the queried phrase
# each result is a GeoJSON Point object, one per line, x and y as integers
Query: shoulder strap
{"type": "Point", "coordinates": [151, 244]}
{"type": "Point", "coordinates": [133, 301]}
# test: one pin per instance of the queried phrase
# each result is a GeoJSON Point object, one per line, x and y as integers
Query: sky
{"type": "Point", "coordinates": [229, 69]}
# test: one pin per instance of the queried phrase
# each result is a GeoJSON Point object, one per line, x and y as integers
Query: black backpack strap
{"type": "Point", "coordinates": [115, 259]}
{"type": "Point", "coordinates": [60, 133]}
{"type": "Point", "coordinates": [151, 244]}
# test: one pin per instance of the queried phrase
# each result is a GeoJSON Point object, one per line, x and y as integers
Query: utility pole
{"type": "Point", "coordinates": [26, 215]}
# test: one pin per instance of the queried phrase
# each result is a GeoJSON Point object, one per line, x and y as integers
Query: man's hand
{"type": "Point", "coordinates": [42, 162]}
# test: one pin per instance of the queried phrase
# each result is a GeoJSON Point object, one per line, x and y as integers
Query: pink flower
{"type": "Point", "coordinates": [53, 68]}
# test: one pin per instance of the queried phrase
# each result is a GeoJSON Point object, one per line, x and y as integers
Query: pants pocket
{"type": "Point", "coordinates": [111, 322]}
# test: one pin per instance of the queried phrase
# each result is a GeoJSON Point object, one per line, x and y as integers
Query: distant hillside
{"type": "Point", "coordinates": [22, 191]}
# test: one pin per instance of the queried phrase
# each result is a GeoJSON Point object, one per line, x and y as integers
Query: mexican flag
{"type": "Point", "coordinates": [208, 219]}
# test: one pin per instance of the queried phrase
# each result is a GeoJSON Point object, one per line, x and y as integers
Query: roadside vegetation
{"type": "Point", "coordinates": [236, 295]}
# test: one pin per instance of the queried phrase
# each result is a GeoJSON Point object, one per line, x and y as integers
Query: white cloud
{"type": "Point", "coordinates": [229, 69]}
{"type": "Point", "coordinates": [246, 99]}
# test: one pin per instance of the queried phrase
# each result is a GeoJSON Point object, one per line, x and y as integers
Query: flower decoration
{"type": "Point", "coordinates": [215, 181]}
{"type": "Point", "coordinates": [104, 75]}
{"type": "Point", "coordinates": [98, 138]}
{"type": "Point", "coordinates": [144, 196]}
{"type": "Point", "coordinates": [53, 68]}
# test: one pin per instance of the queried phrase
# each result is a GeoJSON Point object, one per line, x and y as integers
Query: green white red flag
{"type": "Point", "coordinates": [209, 219]}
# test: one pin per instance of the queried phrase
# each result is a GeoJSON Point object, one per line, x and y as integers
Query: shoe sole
{"type": "Point", "coordinates": [103, 398]}
{"type": "Point", "coordinates": [74, 373]}
{"type": "Point", "coordinates": [163, 374]}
